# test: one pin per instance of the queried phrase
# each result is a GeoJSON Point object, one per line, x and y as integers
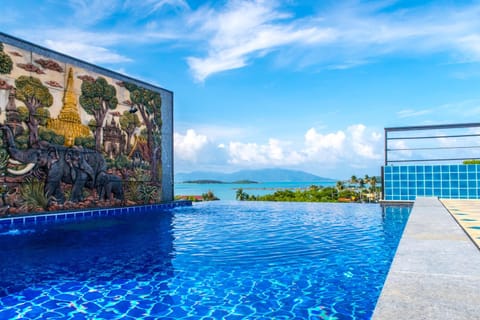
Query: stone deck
{"type": "Point", "coordinates": [436, 271]}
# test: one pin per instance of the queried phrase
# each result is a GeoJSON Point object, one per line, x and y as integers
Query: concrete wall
{"type": "Point", "coordinates": [68, 117]}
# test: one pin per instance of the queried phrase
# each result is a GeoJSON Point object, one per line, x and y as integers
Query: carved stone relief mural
{"type": "Point", "coordinates": [74, 138]}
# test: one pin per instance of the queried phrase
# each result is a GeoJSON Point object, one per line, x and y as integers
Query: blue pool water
{"type": "Point", "coordinates": [216, 260]}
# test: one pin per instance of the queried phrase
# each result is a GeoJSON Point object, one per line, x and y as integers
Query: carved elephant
{"type": "Point", "coordinates": [109, 185]}
{"type": "Point", "coordinates": [77, 166]}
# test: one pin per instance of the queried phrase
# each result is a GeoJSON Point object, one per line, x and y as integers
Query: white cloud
{"type": "Point", "coordinates": [343, 36]}
{"type": "Point", "coordinates": [159, 4]}
{"type": "Point", "coordinates": [87, 52]}
{"type": "Point", "coordinates": [232, 34]}
{"type": "Point", "coordinates": [364, 144]}
{"type": "Point", "coordinates": [92, 11]}
{"type": "Point", "coordinates": [244, 30]}
{"type": "Point", "coordinates": [188, 146]}
{"type": "Point", "coordinates": [329, 145]}
{"type": "Point", "coordinates": [409, 113]}
{"type": "Point", "coordinates": [150, 6]}
{"type": "Point", "coordinates": [356, 145]}
{"type": "Point", "coordinates": [275, 152]}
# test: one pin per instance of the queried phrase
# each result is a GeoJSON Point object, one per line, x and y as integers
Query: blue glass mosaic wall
{"type": "Point", "coordinates": [453, 181]}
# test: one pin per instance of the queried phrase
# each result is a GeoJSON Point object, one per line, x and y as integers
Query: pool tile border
{"type": "Point", "coordinates": [64, 216]}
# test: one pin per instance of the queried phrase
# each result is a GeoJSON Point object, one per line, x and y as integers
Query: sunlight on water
{"type": "Point", "coordinates": [220, 260]}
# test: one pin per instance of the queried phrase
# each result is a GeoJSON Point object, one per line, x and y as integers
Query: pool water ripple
{"type": "Point", "coordinates": [219, 260]}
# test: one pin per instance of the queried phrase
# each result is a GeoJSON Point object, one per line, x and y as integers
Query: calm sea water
{"type": "Point", "coordinates": [227, 191]}
{"type": "Point", "coordinates": [215, 260]}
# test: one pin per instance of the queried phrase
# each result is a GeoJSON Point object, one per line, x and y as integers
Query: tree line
{"type": "Point", "coordinates": [366, 189]}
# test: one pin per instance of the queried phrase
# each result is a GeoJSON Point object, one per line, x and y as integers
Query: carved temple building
{"type": "Point", "coordinates": [13, 119]}
{"type": "Point", "coordinates": [68, 123]}
{"type": "Point", "coordinates": [114, 141]}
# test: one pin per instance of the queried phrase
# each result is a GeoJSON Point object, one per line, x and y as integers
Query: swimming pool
{"type": "Point", "coordinates": [215, 260]}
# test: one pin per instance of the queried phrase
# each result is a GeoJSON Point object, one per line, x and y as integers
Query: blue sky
{"type": "Point", "coordinates": [307, 85]}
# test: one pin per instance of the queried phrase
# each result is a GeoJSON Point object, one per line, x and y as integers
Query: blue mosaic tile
{"type": "Point", "coordinates": [35, 313]}
{"type": "Point", "coordinates": [8, 314]}
{"type": "Point", "coordinates": [31, 294]}
{"type": "Point", "coordinates": [108, 315]}
{"type": "Point", "coordinates": [5, 222]}
{"type": "Point", "coordinates": [17, 221]}
{"type": "Point", "coordinates": [29, 219]}
{"type": "Point", "coordinates": [71, 286]}
{"type": "Point", "coordinates": [93, 295]}
{"type": "Point", "coordinates": [66, 297]}
{"type": "Point", "coordinates": [136, 313]}
{"type": "Point", "coordinates": [122, 306]}
{"type": "Point", "coordinates": [160, 309]}
{"type": "Point", "coordinates": [91, 307]}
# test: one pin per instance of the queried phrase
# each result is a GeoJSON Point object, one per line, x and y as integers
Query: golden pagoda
{"type": "Point", "coordinates": [68, 123]}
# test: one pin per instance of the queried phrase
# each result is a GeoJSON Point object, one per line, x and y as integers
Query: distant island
{"type": "Point", "coordinates": [260, 175]}
{"type": "Point", "coordinates": [206, 181]}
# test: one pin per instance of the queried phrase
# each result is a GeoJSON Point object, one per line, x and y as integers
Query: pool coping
{"type": "Point", "coordinates": [435, 273]}
{"type": "Point", "coordinates": [71, 215]}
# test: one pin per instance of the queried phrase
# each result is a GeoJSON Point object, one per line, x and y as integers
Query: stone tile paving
{"type": "Point", "coordinates": [467, 214]}
{"type": "Point", "coordinates": [436, 270]}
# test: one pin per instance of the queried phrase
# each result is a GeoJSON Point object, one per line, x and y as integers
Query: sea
{"type": "Point", "coordinates": [227, 191]}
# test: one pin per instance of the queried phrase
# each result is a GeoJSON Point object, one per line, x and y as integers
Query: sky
{"type": "Point", "coordinates": [298, 84]}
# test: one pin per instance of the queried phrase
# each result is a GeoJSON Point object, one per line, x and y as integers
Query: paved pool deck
{"type": "Point", "coordinates": [467, 214]}
{"type": "Point", "coordinates": [436, 271]}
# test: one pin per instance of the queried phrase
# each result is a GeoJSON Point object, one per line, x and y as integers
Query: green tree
{"type": "Point", "coordinates": [36, 97]}
{"type": "Point", "coordinates": [353, 180]}
{"type": "Point", "coordinates": [129, 122]}
{"type": "Point", "coordinates": [373, 183]}
{"type": "Point", "coordinates": [87, 142]}
{"type": "Point", "coordinates": [92, 125]}
{"type": "Point", "coordinates": [149, 104]}
{"type": "Point", "coordinates": [50, 136]}
{"type": "Point", "coordinates": [6, 63]}
{"type": "Point", "coordinates": [96, 99]}
{"type": "Point", "coordinates": [209, 196]}
{"type": "Point", "coordinates": [373, 186]}
{"type": "Point", "coordinates": [340, 185]}
{"type": "Point", "coordinates": [241, 195]}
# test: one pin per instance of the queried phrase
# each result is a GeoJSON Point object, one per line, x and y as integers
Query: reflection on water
{"type": "Point", "coordinates": [214, 260]}
{"type": "Point", "coordinates": [93, 250]}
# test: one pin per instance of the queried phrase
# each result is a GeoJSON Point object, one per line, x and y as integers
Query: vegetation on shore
{"type": "Point", "coordinates": [473, 161]}
{"type": "Point", "coordinates": [208, 196]}
{"type": "Point", "coordinates": [354, 190]}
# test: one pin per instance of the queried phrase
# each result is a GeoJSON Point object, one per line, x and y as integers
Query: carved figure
{"type": "Point", "coordinates": [109, 185]}
{"type": "Point", "coordinates": [76, 166]}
